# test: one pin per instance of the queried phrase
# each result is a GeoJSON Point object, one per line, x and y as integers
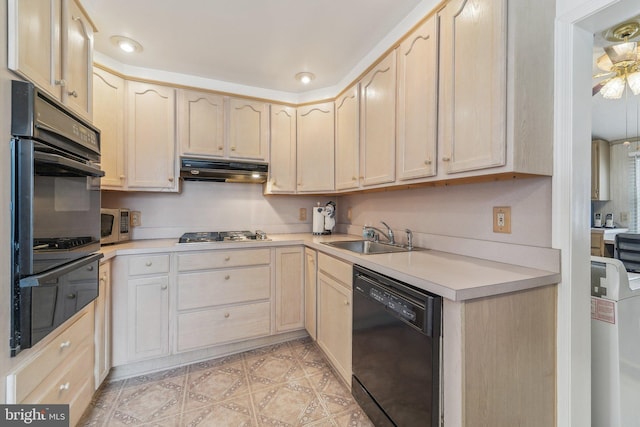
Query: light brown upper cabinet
{"type": "Point", "coordinates": [200, 123]}
{"type": "Point", "coordinates": [282, 164]}
{"type": "Point", "coordinates": [51, 44]}
{"type": "Point", "coordinates": [108, 116]}
{"type": "Point", "coordinates": [248, 129]}
{"type": "Point", "coordinates": [316, 156]}
{"type": "Point", "coordinates": [377, 122]}
{"type": "Point", "coordinates": [417, 120]}
{"type": "Point", "coordinates": [496, 87]}
{"type": "Point", "coordinates": [347, 139]}
{"type": "Point", "coordinates": [150, 137]}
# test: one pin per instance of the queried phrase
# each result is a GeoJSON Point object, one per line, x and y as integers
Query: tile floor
{"type": "Point", "coordinates": [289, 384]}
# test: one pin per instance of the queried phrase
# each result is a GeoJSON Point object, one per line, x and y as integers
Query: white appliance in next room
{"type": "Point", "coordinates": [615, 344]}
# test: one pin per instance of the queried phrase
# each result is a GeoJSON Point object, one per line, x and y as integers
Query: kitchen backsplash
{"type": "Point", "coordinates": [208, 206]}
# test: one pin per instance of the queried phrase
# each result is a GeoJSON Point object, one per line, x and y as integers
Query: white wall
{"type": "Point", "coordinates": [5, 219]}
{"type": "Point", "coordinates": [213, 206]}
{"type": "Point", "coordinates": [459, 210]}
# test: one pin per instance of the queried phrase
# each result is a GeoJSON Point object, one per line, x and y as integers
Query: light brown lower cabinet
{"type": "Point", "coordinates": [59, 369]}
{"type": "Point", "coordinates": [334, 313]}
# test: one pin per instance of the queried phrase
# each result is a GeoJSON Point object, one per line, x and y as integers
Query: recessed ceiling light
{"type": "Point", "coordinates": [126, 44]}
{"type": "Point", "coordinates": [305, 77]}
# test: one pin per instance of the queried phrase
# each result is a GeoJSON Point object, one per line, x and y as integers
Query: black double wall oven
{"type": "Point", "coordinates": [55, 214]}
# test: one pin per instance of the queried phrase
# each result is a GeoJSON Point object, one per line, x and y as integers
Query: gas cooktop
{"type": "Point", "coordinates": [221, 236]}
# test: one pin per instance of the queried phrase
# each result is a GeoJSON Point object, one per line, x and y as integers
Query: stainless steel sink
{"type": "Point", "coordinates": [368, 247]}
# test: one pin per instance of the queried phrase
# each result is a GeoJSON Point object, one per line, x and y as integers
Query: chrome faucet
{"type": "Point", "coordinates": [370, 231]}
{"type": "Point", "coordinates": [409, 239]}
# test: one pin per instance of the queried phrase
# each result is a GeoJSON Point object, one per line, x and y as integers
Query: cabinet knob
{"type": "Point", "coordinates": [233, 148]}
{"type": "Point", "coordinates": [170, 179]}
{"type": "Point", "coordinates": [446, 159]}
{"type": "Point", "coordinates": [427, 162]}
{"type": "Point", "coordinates": [226, 315]}
{"type": "Point", "coordinates": [65, 344]}
{"type": "Point", "coordinates": [122, 177]}
{"type": "Point", "coordinates": [61, 82]}
{"type": "Point", "coordinates": [346, 302]}
{"type": "Point", "coordinates": [64, 387]}
{"type": "Point", "coordinates": [227, 277]}
{"type": "Point", "coordinates": [274, 183]}
{"type": "Point", "coordinates": [73, 93]}
{"type": "Point", "coordinates": [220, 147]}
{"type": "Point", "coordinates": [353, 178]}
{"type": "Point", "coordinates": [163, 287]}
{"type": "Point", "coordinates": [90, 268]}
{"type": "Point", "coordinates": [227, 258]}
{"type": "Point", "coordinates": [148, 263]}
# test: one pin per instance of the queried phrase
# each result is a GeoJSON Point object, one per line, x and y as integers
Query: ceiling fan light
{"type": "Point", "coordinates": [634, 82]}
{"type": "Point", "coordinates": [613, 89]}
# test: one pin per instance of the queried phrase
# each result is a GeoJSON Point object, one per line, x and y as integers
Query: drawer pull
{"type": "Point", "coordinates": [163, 287]}
{"type": "Point", "coordinates": [148, 263]}
{"type": "Point", "coordinates": [73, 93]}
{"type": "Point", "coordinates": [227, 277]}
{"type": "Point", "coordinates": [227, 258]}
{"type": "Point", "coordinates": [64, 387]}
{"type": "Point", "coordinates": [446, 159]}
{"type": "Point", "coordinates": [90, 268]}
{"type": "Point", "coordinates": [346, 302]}
{"type": "Point", "coordinates": [65, 344]}
{"type": "Point", "coordinates": [226, 315]}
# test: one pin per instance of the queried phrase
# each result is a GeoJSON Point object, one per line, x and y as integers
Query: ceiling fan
{"type": "Point", "coordinates": [621, 62]}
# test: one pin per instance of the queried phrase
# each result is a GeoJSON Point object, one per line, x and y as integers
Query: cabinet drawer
{"type": "Point", "coordinates": [58, 351]}
{"type": "Point", "coordinates": [217, 287]}
{"type": "Point", "coordinates": [219, 325]}
{"type": "Point", "coordinates": [64, 383]}
{"type": "Point", "coordinates": [335, 268]}
{"type": "Point", "coordinates": [148, 264]}
{"type": "Point", "coordinates": [221, 259]}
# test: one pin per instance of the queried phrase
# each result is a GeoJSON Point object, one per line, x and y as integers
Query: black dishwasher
{"type": "Point", "coordinates": [396, 351]}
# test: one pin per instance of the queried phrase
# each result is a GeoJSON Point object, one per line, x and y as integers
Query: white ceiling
{"type": "Point", "coordinates": [257, 43]}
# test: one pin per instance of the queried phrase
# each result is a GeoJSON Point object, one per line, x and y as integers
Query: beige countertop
{"type": "Point", "coordinates": [455, 277]}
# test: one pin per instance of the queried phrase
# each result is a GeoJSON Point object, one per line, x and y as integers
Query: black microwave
{"type": "Point", "coordinates": [114, 225]}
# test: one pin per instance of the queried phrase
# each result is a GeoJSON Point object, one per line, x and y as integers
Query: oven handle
{"type": "Point", "coordinates": [52, 275]}
{"type": "Point", "coordinates": [67, 163]}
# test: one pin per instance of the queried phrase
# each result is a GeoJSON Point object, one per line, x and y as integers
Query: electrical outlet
{"type": "Point", "coordinates": [624, 216]}
{"type": "Point", "coordinates": [502, 219]}
{"type": "Point", "coordinates": [136, 218]}
{"type": "Point", "coordinates": [303, 214]}
{"type": "Point", "coordinates": [349, 213]}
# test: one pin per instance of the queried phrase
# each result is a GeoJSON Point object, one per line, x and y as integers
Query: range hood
{"type": "Point", "coordinates": [192, 169]}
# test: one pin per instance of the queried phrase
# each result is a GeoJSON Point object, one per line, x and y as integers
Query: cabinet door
{"type": "Point", "coordinates": [289, 289]}
{"type": "Point", "coordinates": [201, 123]}
{"type": "Point", "coordinates": [417, 129]}
{"type": "Point", "coordinates": [34, 42]}
{"type": "Point", "coordinates": [282, 164]}
{"type": "Point", "coordinates": [316, 148]}
{"type": "Point", "coordinates": [377, 122]}
{"type": "Point", "coordinates": [310, 291]}
{"type": "Point", "coordinates": [150, 124]}
{"type": "Point", "coordinates": [77, 65]}
{"type": "Point", "coordinates": [148, 318]}
{"type": "Point", "coordinates": [334, 324]}
{"type": "Point", "coordinates": [600, 156]}
{"type": "Point", "coordinates": [248, 129]}
{"type": "Point", "coordinates": [108, 116]}
{"type": "Point", "coordinates": [102, 337]}
{"type": "Point", "coordinates": [473, 79]}
{"type": "Point", "coordinates": [347, 140]}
